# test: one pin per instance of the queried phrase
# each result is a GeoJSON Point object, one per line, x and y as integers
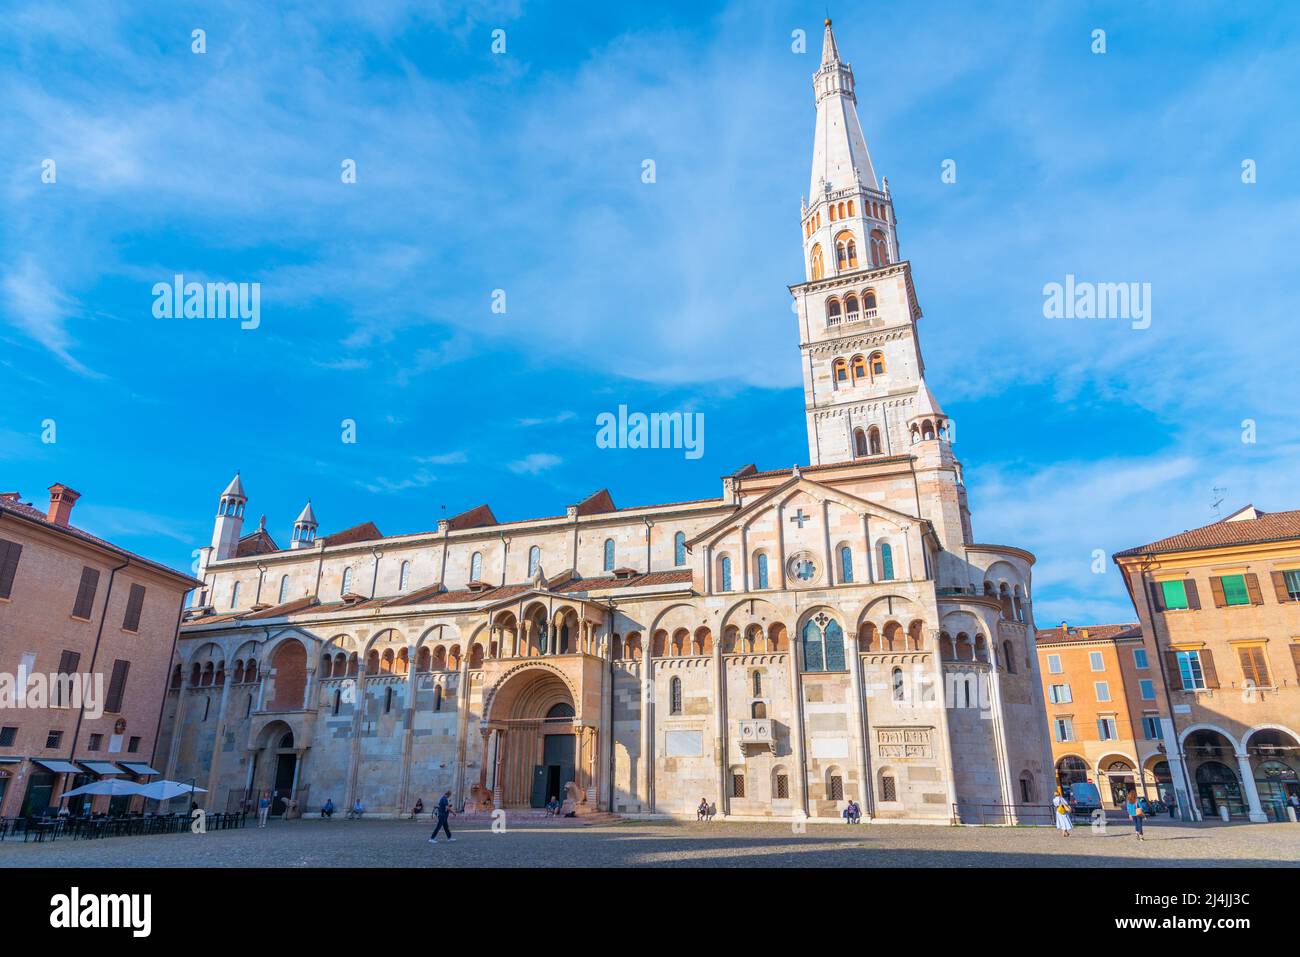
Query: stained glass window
{"type": "Point", "coordinates": [886, 562]}
{"type": "Point", "coordinates": [812, 647]}
{"type": "Point", "coordinates": [762, 571]}
{"type": "Point", "coordinates": [679, 548]}
{"type": "Point", "coordinates": [846, 564]}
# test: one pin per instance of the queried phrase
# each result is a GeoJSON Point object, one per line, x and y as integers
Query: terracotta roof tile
{"type": "Point", "coordinates": [365, 532]}
{"type": "Point", "coordinates": [1093, 633]}
{"type": "Point", "coordinates": [22, 510]}
{"type": "Point", "coordinates": [1269, 527]}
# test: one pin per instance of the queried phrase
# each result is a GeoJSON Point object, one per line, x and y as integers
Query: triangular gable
{"type": "Point", "coordinates": [721, 528]}
{"type": "Point", "coordinates": [478, 517]}
{"type": "Point", "coordinates": [597, 503]}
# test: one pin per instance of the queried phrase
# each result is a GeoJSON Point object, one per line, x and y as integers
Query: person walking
{"type": "Point", "coordinates": [443, 810]}
{"type": "Point", "coordinates": [263, 808]}
{"type": "Point", "coordinates": [1064, 819]}
{"type": "Point", "coordinates": [1134, 808]}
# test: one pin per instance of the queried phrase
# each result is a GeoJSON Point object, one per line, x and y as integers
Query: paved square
{"type": "Point", "coordinates": [377, 843]}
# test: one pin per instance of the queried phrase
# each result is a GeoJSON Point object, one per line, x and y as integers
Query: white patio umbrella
{"type": "Point", "coordinates": [110, 786]}
{"type": "Point", "coordinates": [166, 790]}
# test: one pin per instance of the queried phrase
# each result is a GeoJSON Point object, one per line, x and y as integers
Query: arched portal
{"type": "Point", "coordinates": [537, 744]}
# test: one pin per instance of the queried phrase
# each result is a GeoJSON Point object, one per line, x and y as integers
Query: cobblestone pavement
{"type": "Point", "coordinates": [658, 844]}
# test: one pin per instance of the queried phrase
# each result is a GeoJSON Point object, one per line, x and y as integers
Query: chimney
{"type": "Point", "coordinates": [62, 499]}
{"type": "Point", "coordinates": [10, 498]}
{"type": "Point", "coordinates": [1065, 628]}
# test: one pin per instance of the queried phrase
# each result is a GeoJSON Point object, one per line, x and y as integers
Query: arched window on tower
{"type": "Point", "coordinates": [679, 548]}
{"type": "Point", "coordinates": [877, 364]}
{"type": "Point", "coordinates": [345, 586]}
{"type": "Point", "coordinates": [404, 577]}
{"type": "Point", "coordinates": [609, 554]}
{"type": "Point", "coordinates": [859, 443]}
{"type": "Point", "coordinates": [851, 308]}
{"type": "Point", "coordinates": [873, 440]}
{"type": "Point", "coordinates": [879, 249]}
{"type": "Point", "coordinates": [886, 562]}
{"type": "Point", "coordinates": [869, 302]}
{"type": "Point", "coordinates": [840, 371]}
{"type": "Point", "coordinates": [859, 369]}
{"type": "Point", "coordinates": [815, 265]}
{"type": "Point", "coordinates": [832, 312]}
{"type": "Point", "coordinates": [476, 567]}
{"type": "Point", "coordinates": [284, 589]}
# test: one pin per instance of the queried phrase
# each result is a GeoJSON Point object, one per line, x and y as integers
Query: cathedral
{"type": "Point", "coordinates": [811, 636]}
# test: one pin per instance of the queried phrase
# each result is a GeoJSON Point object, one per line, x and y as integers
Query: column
{"type": "Point", "coordinates": [217, 746]}
{"type": "Point", "coordinates": [720, 726]}
{"type": "Point", "coordinates": [498, 797]}
{"type": "Point", "coordinates": [832, 577]}
{"type": "Point", "coordinates": [408, 723]}
{"type": "Point", "coordinates": [866, 545]}
{"type": "Point", "coordinates": [744, 561]}
{"type": "Point", "coordinates": [1256, 810]}
{"type": "Point", "coordinates": [645, 773]}
{"type": "Point", "coordinates": [358, 713]}
{"type": "Point", "coordinates": [780, 546]}
{"type": "Point", "coordinates": [857, 714]}
{"type": "Point", "coordinates": [462, 725]}
{"type": "Point", "coordinates": [796, 728]}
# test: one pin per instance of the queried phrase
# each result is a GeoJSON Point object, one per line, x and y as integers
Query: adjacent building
{"type": "Point", "coordinates": [77, 613]}
{"type": "Point", "coordinates": [1219, 608]}
{"type": "Point", "coordinates": [1102, 688]}
{"type": "Point", "coordinates": [807, 637]}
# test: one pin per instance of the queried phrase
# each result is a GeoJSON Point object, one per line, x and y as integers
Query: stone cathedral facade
{"type": "Point", "coordinates": [810, 636]}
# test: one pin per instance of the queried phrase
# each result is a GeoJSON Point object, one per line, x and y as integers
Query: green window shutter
{"type": "Point", "coordinates": [1175, 595]}
{"type": "Point", "coordinates": [1235, 591]}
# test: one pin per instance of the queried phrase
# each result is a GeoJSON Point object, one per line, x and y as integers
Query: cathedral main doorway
{"type": "Point", "coordinates": [535, 741]}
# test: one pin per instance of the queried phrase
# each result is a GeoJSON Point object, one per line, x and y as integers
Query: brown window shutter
{"type": "Point", "coordinates": [1175, 674]}
{"type": "Point", "coordinates": [1295, 659]}
{"type": "Point", "coordinates": [68, 661]}
{"type": "Point", "coordinates": [9, 553]}
{"type": "Point", "coordinates": [1260, 662]}
{"type": "Point", "coordinates": [1279, 588]}
{"type": "Point", "coordinates": [133, 605]}
{"type": "Point", "coordinates": [1193, 596]}
{"type": "Point", "coordinates": [1216, 586]}
{"type": "Point", "coordinates": [86, 593]}
{"type": "Point", "coordinates": [117, 686]}
{"type": "Point", "coordinates": [1252, 589]}
{"type": "Point", "coordinates": [1207, 668]}
{"type": "Point", "coordinates": [1157, 597]}
{"type": "Point", "coordinates": [1247, 665]}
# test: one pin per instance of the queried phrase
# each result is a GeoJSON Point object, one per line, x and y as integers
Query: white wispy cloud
{"type": "Point", "coordinates": [534, 463]}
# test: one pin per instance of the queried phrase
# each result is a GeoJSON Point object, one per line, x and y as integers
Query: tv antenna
{"type": "Point", "coordinates": [1217, 493]}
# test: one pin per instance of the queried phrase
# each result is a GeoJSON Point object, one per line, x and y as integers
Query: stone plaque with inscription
{"type": "Point", "coordinates": [904, 742]}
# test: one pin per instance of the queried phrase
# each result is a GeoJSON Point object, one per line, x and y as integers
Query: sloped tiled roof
{"type": "Point", "coordinates": [1269, 527]}
{"type": "Point", "coordinates": [365, 532]}
{"type": "Point", "coordinates": [258, 542]}
{"type": "Point", "coordinates": [1087, 633]}
{"type": "Point", "coordinates": [26, 511]}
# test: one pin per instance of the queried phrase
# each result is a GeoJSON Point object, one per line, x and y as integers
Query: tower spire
{"type": "Point", "coordinates": [840, 157]}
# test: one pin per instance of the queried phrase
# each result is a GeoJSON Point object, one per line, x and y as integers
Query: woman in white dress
{"type": "Point", "coordinates": [1064, 819]}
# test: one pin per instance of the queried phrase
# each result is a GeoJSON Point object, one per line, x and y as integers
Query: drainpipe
{"type": "Point", "coordinates": [374, 581]}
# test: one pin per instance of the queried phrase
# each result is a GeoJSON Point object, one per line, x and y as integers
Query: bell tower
{"type": "Point", "coordinates": [864, 378]}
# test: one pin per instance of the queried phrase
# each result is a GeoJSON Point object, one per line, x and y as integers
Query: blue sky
{"type": "Point", "coordinates": [522, 172]}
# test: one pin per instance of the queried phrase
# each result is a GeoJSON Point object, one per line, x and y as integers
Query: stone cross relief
{"type": "Point", "coordinates": [800, 517]}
